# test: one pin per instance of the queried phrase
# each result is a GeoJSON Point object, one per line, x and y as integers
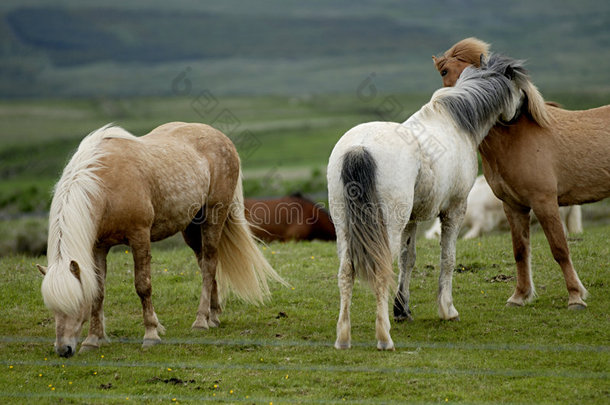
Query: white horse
{"type": "Point", "coordinates": [486, 213]}
{"type": "Point", "coordinates": [385, 177]}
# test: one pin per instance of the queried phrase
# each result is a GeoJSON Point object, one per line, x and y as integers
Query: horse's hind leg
{"type": "Point", "coordinates": [450, 228]}
{"type": "Point", "coordinates": [519, 222]}
{"type": "Point", "coordinates": [203, 239]}
{"type": "Point", "coordinates": [548, 215]}
{"type": "Point", "coordinates": [406, 262]}
{"type": "Point", "coordinates": [97, 333]}
{"type": "Point", "coordinates": [382, 323]}
{"type": "Point", "coordinates": [346, 285]}
{"type": "Point", "coordinates": [140, 244]}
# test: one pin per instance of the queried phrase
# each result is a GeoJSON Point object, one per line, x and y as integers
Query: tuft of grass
{"type": "Point", "coordinates": [282, 352]}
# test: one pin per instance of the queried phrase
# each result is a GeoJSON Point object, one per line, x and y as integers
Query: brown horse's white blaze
{"type": "Point", "coordinates": [119, 189]}
{"type": "Point", "coordinates": [545, 158]}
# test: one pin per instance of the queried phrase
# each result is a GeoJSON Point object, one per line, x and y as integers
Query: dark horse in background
{"type": "Point", "coordinates": [292, 217]}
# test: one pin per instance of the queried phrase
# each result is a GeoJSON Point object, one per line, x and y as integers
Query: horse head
{"type": "Point", "coordinates": [474, 52]}
{"type": "Point", "coordinates": [62, 293]}
{"type": "Point", "coordinates": [467, 52]}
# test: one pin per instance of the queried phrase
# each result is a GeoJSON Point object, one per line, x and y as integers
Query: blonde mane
{"type": "Point", "coordinates": [468, 50]}
{"type": "Point", "coordinates": [72, 230]}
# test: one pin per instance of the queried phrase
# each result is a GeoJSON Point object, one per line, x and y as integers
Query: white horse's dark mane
{"type": "Point", "coordinates": [483, 93]}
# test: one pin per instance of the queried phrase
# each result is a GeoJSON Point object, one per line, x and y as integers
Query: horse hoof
{"type": "Point", "coordinates": [454, 319]}
{"type": "Point", "coordinates": [403, 317]}
{"type": "Point", "coordinates": [511, 304]}
{"type": "Point", "coordinates": [213, 324]}
{"type": "Point", "coordinates": [150, 342]}
{"type": "Point", "coordinates": [577, 307]}
{"type": "Point", "coordinates": [200, 325]}
{"type": "Point", "coordinates": [87, 348]}
{"type": "Point", "coordinates": [342, 345]}
{"type": "Point", "coordinates": [388, 346]}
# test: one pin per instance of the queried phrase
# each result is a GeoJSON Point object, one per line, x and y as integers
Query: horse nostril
{"type": "Point", "coordinates": [67, 352]}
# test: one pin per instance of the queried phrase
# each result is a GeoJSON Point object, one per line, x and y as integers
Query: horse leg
{"type": "Point", "coordinates": [382, 322]}
{"type": "Point", "coordinates": [474, 232]}
{"type": "Point", "coordinates": [193, 238]}
{"type": "Point", "coordinates": [346, 284]}
{"type": "Point", "coordinates": [140, 245]}
{"type": "Point", "coordinates": [406, 262]}
{"type": "Point", "coordinates": [209, 304]}
{"type": "Point", "coordinates": [450, 228]}
{"type": "Point", "coordinates": [97, 333]}
{"type": "Point", "coordinates": [548, 216]}
{"type": "Point", "coordinates": [519, 222]}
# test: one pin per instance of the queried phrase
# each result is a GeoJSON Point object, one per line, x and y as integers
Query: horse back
{"type": "Point", "coordinates": [160, 181]}
{"type": "Point", "coordinates": [570, 158]}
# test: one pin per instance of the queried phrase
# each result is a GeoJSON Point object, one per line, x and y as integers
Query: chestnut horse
{"type": "Point", "coordinates": [289, 218]}
{"type": "Point", "coordinates": [544, 158]}
{"type": "Point", "coordinates": [119, 189]}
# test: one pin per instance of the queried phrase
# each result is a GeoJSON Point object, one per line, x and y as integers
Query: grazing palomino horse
{"type": "Point", "coordinates": [385, 177]}
{"type": "Point", "coordinates": [485, 213]}
{"type": "Point", "coordinates": [545, 157]}
{"type": "Point", "coordinates": [120, 189]}
{"type": "Point", "coordinates": [289, 218]}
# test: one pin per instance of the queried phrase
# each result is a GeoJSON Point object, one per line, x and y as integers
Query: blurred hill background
{"type": "Point", "coordinates": [68, 48]}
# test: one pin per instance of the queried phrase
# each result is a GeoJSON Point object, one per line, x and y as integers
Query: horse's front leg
{"type": "Point", "coordinates": [406, 262]}
{"type": "Point", "coordinates": [451, 222]}
{"type": "Point", "coordinates": [141, 257]}
{"type": "Point", "coordinates": [97, 334]}
{"type": "Point", "coordinates": [547, 213]}
{"type": "Point", "coordinates": [519, 222]}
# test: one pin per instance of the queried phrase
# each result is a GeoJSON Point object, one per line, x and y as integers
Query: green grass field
{"type": "Point", "coordinates": [282, 352]}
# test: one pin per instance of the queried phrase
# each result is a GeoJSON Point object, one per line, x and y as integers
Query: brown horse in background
{"type": "Point", "coordinates": [289, 218]}
{"type": "Point", "coordinates": [544, 158]}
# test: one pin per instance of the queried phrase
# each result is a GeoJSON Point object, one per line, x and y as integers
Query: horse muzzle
{"type": "Point", "coordinates": [64, 351]}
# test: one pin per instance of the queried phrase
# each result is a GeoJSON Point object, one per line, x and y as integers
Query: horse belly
{"type": "Point", "coordinates": [179, 206]}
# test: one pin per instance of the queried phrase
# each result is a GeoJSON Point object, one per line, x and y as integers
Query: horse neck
{"type": "Point", "coordinates": [73, 216]}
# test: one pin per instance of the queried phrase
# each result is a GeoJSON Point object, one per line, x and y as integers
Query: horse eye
{"type": "Point", "coordinates": [444, 72]}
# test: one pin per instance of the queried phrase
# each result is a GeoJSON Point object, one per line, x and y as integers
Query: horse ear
{"type": "Point", "coordinates": [434, 58]}
{"type": "Point", "coordinates": [482, 61]}
{"type": "Point", "coordinates": [75, 269]}
{"type": "Point", "coordinates": [42, 269]}
{"type": "Point", "coordinates": [509, 72]}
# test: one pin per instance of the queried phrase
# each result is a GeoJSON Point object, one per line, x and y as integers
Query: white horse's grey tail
{"type": "Point", "coordinates": [367, 241]}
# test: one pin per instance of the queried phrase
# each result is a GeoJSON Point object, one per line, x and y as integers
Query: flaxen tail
{"type": "Point", "coordinates": [368, 246]}
{"type": "Point", "coordinates": [242, 268]}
